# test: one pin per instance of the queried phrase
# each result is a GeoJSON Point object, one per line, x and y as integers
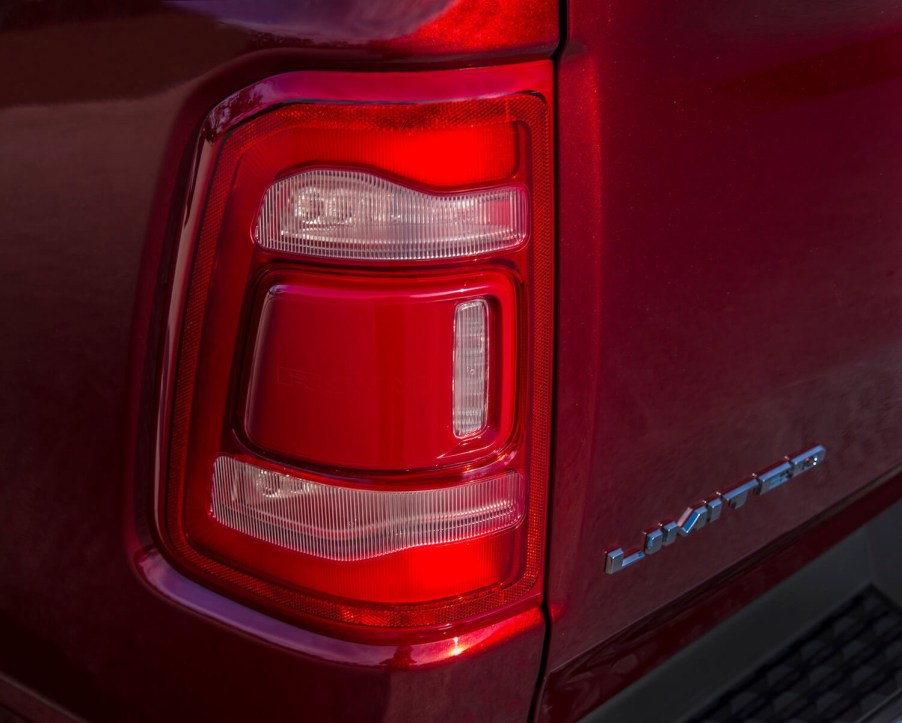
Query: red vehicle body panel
{"type": "Point", "coordinates": [728, 251]}
{"type": "Point", "coordinates": [730, 257]}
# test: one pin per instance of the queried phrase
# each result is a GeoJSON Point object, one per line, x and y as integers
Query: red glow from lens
{"type": "Point", "coordinates": [341, 371]}
{"type": "Point", "coordinates": [356, 371]}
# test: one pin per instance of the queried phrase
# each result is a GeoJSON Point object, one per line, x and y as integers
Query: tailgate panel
{"type": "Point", "coordinates": [729, 254]}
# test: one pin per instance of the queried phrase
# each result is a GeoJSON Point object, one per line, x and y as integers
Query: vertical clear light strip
{"type": "Point", "coordinates": [471, 367]}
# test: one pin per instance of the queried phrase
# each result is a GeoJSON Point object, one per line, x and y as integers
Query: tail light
{"type": "Point", "coordinates": [355, 414]}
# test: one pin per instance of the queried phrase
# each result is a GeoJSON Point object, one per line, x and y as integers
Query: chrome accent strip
{"type": "Point", "coordinates": [699, 514]}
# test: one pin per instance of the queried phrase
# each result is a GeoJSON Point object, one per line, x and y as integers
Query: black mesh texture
{"type": "Point", "coordinates": [846, 667]}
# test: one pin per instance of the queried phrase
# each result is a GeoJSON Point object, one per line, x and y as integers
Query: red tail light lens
{"type": "Point", "coordinates": [315, 393]}
{"type": "Point", "coordinates": [355, 427]}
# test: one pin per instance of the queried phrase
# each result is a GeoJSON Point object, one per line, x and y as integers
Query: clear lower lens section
{"type": "Point", "coordinates": [346, 524]}
{"type": "Point", "coordinates": [471, 367]}
{"type": "Point", "coordinates": [347, 214]}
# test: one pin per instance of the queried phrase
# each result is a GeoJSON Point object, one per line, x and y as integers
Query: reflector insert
{"type": "Point", "coordinates": [345, 214]}
{"type": "Point", "coordinates": [471, 367]}
{"type": "Point", "coordinates": [347, 524]}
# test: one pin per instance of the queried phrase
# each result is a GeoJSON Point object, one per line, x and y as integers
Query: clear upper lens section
{"type": "Point", "coordinates": [346, 214]}
{"type": "Point", "coordinates": [345, 524]}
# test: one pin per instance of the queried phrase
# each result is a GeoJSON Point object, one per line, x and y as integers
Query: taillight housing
{"type": "Point", "coordinates": [355, 409]}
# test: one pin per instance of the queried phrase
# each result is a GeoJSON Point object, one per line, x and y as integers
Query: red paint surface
{"type": "Point", "coordinates": [729, 252]}
{"type": "Point", "coordinates": [601, 672]}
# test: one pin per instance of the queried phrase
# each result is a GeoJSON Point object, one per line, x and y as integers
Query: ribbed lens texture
{"type": "Point", "coordinates": [471, 367]}
{"type": "Point", "coordinates": [355, 215]}
{"type": "Point", "coordinates": [340, 523]}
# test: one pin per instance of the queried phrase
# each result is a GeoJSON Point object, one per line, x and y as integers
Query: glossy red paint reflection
{"type": "Point", "coordinates": [402, 29]}
{"type": "Point", "coordinates": [99, 50]}
{"type": "Point", "coordinates": [729, 253]}
{"type": "Point", "coordinates": [773, 130]}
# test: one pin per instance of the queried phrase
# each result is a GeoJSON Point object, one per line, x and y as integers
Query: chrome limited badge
{"type": "Point", "coordinates": [699, 514]}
